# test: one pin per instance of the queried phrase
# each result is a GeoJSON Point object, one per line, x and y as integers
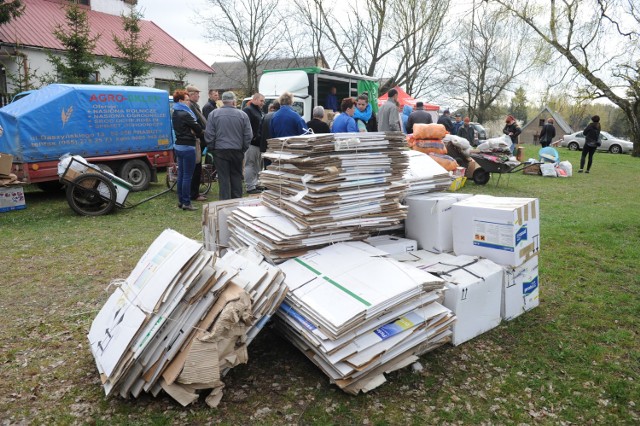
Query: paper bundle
{"type": "Point", "coordinates": [179, 322]}
{"type": "Point", "coordinates": [358, 314]}
{"type": "Point", "coordinates": [424, 174]}
{"type": "Point", "coordinates": [337, 181]}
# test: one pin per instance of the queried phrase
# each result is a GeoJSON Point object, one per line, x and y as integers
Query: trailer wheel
{"type": "Point", "coordinates": [52, 186]}
{"type": "Point", "coordinates": [137, 173]}
{"type": "Point", "coordinates": [91, 195]}
{"type": "Point", "coordinates": [106, 168]}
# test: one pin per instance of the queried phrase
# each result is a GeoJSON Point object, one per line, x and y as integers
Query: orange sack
{"type": "Point", "coordinates": [445, 161]}
{"type": "Point", "coordinates": [429, 131]}
{"type": "Point", "coordinates": [429, 146]}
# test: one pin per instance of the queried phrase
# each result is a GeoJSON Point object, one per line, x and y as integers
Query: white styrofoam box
{"type": "Point", "coordinates": [474, 289]}
{"type": "Point", "coordinates": [122, 188]}
{"type": "Point", "coordinates": [503, 229]}
{"type": "Point", "coordinates": [391, 244]}
{"type": "Point", "coordinates": [521, 289]}
{"type": "Point", "coordinates": [11, 198]}
{"type": "Point", "coordinates": [429, 220]}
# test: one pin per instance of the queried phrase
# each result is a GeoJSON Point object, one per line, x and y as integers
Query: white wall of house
{"type": "Point", "coordinates": [113, 7]}
{"type": "Point", "coordinates": [159, 77]}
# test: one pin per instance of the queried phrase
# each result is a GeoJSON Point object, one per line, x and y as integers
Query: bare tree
{"type": "Point", "coordinates": [496, 51]}
{"type": "Point", "coordinates": [251, 28]}
{"type": "Point", "coordinates": [400, 39]}
{"type": "Point", "coordinates": [423, 48]}
{"type": "Point", "coordinates": [587, 33]}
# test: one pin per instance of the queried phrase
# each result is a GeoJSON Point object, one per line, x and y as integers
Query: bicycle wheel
{"type": "Point", "coordinates": [205, 180]}
{"type": "Point", "coordinates": [91, 195]}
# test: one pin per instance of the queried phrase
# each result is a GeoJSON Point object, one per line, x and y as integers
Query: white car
{"type": "Point", "coordinates": [575, 141]}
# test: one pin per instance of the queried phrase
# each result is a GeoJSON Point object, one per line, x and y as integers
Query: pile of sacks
{"type": "Point", "coordinates": [428, 138]}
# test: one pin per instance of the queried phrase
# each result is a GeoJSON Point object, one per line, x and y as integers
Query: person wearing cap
{"type": "Point", "coordinates": [344, 123]}
{"type": "Point", "coordinates": [418, 116]}
{"type": "Point", "coordinates": [457, 124]}
{"type": "Point", "coordinates": [252, 158]}
{"type": "Point", "coordinates": [467, 131]}
{"type": "Point", "coordinates": [591, 142]}
{"type": "Point", "coordinates": [287, 122]}
{"type": "Point", "coordinates": [388, 116]}
{"type": "Point", "coordinates": [187, 130]}
{"type": "Point", "coordinates": [228, 135]}
{"type": "Point", "coordinates": [194, 97]}
{"type": "Point", "coordinates": [212, 103]}
{"type": "Point", "coordinates": [445, 120]}
{"type": "Point", "coordinates": [512, 129]}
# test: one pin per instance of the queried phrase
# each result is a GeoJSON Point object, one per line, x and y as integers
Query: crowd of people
{"type": "Point", "coordinates": [237, 139]}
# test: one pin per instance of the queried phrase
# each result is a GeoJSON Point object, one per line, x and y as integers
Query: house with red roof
{"type": "Point", "coordinates": [25, 41]}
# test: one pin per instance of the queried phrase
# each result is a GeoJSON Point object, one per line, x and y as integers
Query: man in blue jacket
{"type": "Point", "coordinates": [287, 122]}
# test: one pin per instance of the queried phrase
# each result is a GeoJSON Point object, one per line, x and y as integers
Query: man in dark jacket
{"type": "Point", "coordinates": [418, 116]}
{"type": "Point", "coordinates": [547, 133]}
{"type": "Point", "coordinates": [445, 120]}
{"type": "Point", "coordinates": [252, 158]}
{"type": "Point", "coordinates": [211, 104]}
{"type": "Point", "coordinates": [467, 131]}
{"type": "Point", "coordinates": [228, 135]}
{"type": "Point", "coordinates": [265, 130]}
{"type": "Point", "coordinates": [194, 97]}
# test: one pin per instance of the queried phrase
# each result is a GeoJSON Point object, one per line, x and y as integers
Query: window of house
{"type": "Point", "coordinates": [168, 85]}
{"type": "Point", "coordinates": [541, 122]}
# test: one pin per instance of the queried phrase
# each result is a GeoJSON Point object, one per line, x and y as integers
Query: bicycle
{"type": "Point", "coordinates": [207, 177]}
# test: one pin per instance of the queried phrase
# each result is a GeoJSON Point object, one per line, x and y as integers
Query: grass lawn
{"type": "Point", "coordinates": [575, 359]}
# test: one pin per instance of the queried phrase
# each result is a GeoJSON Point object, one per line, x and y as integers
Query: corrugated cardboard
{"type": "Point", "coordinates": [430, 220]}
{"type": "Point", "coordinates": [6, 162]}
{"type": "Point", "coordinates": [503, 229]}
{"type": "Point", "coordinates": [521, 289]}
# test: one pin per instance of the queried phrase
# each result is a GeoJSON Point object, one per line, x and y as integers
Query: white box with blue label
{"type": "Point", "coordinates": [521, 289]}
{"type": "Point", "coordinates": [505, 230]}
{"type": "Point", "coordinates": [11, 198]}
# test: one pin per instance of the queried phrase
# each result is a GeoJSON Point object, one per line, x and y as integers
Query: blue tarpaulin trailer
{"type": "Point", "coordinates": [127, 129]}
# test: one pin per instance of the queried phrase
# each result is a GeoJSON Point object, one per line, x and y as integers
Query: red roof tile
{"type": "Point", "coordinates": [34, 28]}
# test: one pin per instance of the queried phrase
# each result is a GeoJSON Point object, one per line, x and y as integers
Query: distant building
{"type": "Point", "coordinates": [24, 42]}
{"type": "Point", "coordinates": [233, 75]}
{"type": "Point", "coordinates": [531, 131]}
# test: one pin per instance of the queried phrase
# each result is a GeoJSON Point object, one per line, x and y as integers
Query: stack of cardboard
{"type": "Point", "coordinates": [505, 230]}
{"type": "Point", "coordinates": [337, 182]}
{"type": "Point", "coordinates": [425, 174]}
{"type": "Point", "coordinates": [358, 314]}
{"type": "Point", "coordinates": [179, 322]}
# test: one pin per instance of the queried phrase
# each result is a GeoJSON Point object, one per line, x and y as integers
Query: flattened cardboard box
{"type": "Point", "coordinates": [503, 229]}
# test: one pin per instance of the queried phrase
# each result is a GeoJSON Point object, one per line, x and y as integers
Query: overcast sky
{"type": "Point", "coordinates": [178, 19]}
